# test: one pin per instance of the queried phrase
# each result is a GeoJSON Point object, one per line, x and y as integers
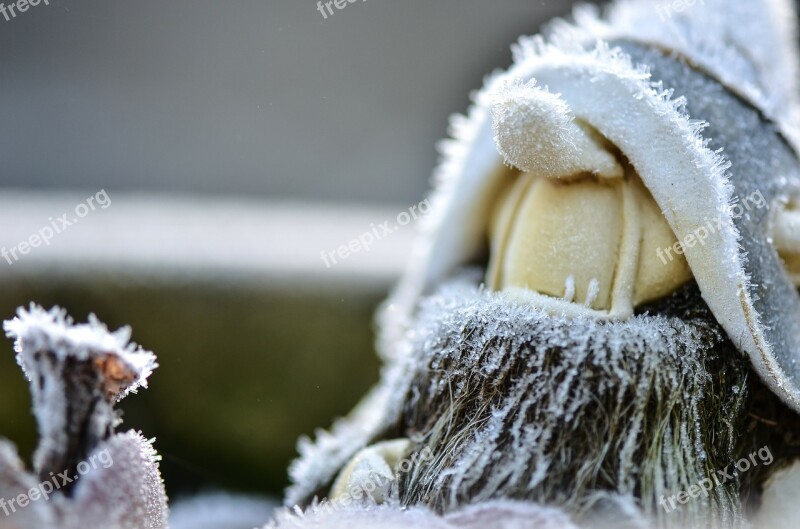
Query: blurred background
{"type": "Point", "coordinates": [236, 142]}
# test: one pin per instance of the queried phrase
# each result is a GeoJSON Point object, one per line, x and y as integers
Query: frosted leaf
{"type": "Point", "coordinates": [127, 494]}
{"type": "Point", "coordinates": [96, 478]}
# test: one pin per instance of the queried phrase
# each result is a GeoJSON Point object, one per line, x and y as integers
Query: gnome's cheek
{"type": "Point", "coordinates": [577, 232]}
{"type": "Point", "coordinates": [785, 231]}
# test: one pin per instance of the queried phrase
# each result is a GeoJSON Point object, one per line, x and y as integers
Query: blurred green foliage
{"type": "Point", "coordinates": [244, 370]}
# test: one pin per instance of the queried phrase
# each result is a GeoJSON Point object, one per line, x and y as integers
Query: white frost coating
{"type": "Point", "coordinates": [569, 288]}
{"type": "Point", "coordinates": [748, 45]}
{"type": "Point", "coordinates": [497, 514]}
{"type": "Point", "coordinates": [36, 330]}
{"type": "Point", "coordinates": [535, 132]}
{"type": "Point", "coordinates": [127, 494]}
{"type": "Point", "coordinates": [593, 290]}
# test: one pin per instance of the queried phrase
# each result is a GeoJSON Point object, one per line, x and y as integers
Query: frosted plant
{"type": "Point", "coordinates": [84, 474]}
{"type": "Point", "coordinates": [628, 191]}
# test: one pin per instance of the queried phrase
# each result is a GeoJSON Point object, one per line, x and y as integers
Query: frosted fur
{"type": "Point", "coordinates": [580, 414]}
{"type": "Point", "coordinates": [464, 334]}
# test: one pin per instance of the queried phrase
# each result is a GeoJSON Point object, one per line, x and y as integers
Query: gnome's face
{"type": "Point", "coordinates": [576, 231]}
{"type": "Point", "coordinates": [618, 193]}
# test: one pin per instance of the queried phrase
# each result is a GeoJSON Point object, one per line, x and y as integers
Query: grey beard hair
{"type": "Point", "coordinates": [602, 419]}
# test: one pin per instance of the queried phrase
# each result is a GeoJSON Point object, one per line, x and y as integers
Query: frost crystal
{"type": "Point", "coordinates": [36, 330]}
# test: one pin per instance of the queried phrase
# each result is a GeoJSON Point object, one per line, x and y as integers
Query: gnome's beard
{"type": "Point", "coordinates": [598, 418]}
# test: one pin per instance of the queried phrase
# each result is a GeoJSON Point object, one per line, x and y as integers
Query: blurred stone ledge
{"type": "Point", "coordinates": [196, 238]}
